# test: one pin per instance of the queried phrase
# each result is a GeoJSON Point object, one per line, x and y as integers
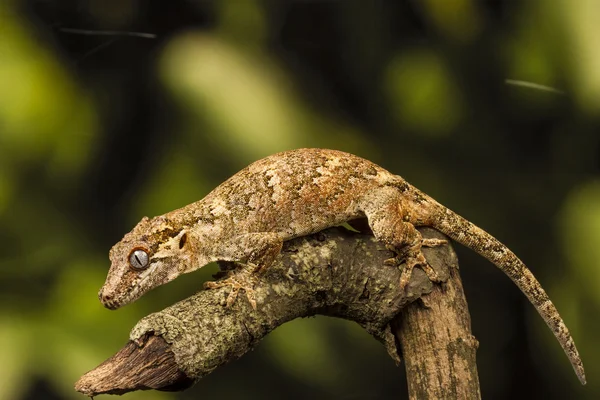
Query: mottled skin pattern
{"type": "Point", "coordinates": [296, 193]}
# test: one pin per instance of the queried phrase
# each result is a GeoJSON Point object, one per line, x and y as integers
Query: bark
{"type": "Point", "coordinates": [437, 346]}
{"type": "Point", "coordinates": [335, 272]}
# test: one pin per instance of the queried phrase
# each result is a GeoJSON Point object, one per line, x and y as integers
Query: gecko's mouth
{"type": "Point", "coordinates": [111, 306]}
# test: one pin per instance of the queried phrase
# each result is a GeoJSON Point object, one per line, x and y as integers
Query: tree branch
{"type": "Point", "coordinates": [334, 272]}
{"type": "Point", "coordinates": [435, 337]}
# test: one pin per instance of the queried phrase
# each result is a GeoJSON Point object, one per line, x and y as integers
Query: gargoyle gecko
{"type": "Point", "coordinates": [295, 193]}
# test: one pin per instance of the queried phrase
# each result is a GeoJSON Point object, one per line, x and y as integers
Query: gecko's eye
{"type": "Point", "coordinates": [138, 259]}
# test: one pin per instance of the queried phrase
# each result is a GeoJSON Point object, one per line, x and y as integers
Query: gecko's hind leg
{"type": "Point", "coordinates": [390, 222]}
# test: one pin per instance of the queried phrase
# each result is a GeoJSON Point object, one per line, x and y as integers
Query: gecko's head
{"type": "Point", "coordinates": [153, 253]}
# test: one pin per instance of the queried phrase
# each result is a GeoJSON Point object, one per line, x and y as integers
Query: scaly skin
{"type": "Point", "coordinates": [295, 193]}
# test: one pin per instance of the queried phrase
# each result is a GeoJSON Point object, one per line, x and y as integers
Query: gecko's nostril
{"type": "Point", "coordinates": [104, 297]}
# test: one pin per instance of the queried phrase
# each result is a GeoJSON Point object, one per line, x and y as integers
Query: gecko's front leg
{"type": "Point", "coordinates": [251, 254]}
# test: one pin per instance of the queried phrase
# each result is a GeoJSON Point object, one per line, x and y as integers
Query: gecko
{"type": "Point", "coordinates": [246, 219]}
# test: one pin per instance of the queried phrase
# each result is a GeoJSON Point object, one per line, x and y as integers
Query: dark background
{"type": "Point", "coordinates": [98, 130]}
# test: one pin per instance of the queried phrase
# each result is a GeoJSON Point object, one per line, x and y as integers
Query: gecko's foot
{"type": "Point", "coordinates": [410, 265]}
{"type": "Point", "coordinates": [395, 261]}
{"type": "Point", "coordinates": [235, 286]}
{"type": "Point", "coordinates": [415, 258]}
{"type": "Point", "coordinates": [236, 281]}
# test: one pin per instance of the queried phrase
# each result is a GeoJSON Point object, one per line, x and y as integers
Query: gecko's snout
{"type": "Point", "coordinates": [107, 299]}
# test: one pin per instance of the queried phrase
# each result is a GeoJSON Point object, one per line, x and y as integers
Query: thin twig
{"type": "Point", "coordinates": [143, 35]}
{"type": "Point", "coordinates": [532, 85]}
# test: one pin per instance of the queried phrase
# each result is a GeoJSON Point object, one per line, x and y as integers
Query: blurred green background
{"type": "Point", "coordinates": [98, 130]}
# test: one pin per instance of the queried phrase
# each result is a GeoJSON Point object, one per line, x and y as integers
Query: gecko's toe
{"type": "Point", "coordinates": [430, 272]}
{"type": "Point", "coordinates": [232, 296]}
{"type": "Point", "coordinates": [235, 282]}
{"type": "Point", "coordinates": [417, 260]}
{"type": "Point", "coordinates": [430, 242]}
{"type": "Point", "coordinates": [391, 262]}
{"type": "Point", "coordinates": [251, 298]}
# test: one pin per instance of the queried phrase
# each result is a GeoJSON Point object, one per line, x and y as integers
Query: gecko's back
{"type": "Point", "coordinates": [296, 192]}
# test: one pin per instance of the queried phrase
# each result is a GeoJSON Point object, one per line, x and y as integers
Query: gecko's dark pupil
{"type": "Point", "coordinates": [138, 259]}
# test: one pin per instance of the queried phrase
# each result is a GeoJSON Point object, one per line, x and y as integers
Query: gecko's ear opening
{"type": "Point", "coordinates": [182, 241]}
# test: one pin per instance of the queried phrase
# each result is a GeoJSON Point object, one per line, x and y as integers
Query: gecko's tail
{"type": "Point", "coordinates": [475, 238]}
